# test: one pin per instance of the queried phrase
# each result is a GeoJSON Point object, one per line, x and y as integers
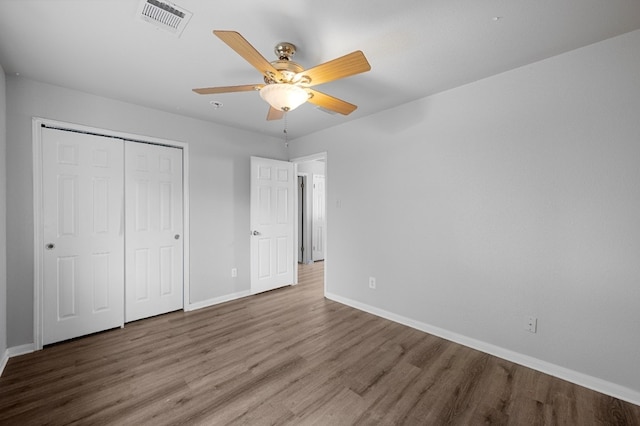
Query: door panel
{"type": "Point", "coordinates": [167, 260]}
{"type": "Point", "coordinates": [100, 283]}
{"type": "Point", "coordinates": [67, 292]}
{"type": "Point", "coordinates": [154, 223]}
{"type": "Point", "coordinates": [83, 276]}
{"type": "Point", "coordinates": [272, 222]}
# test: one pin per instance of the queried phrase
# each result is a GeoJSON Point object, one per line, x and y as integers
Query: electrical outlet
{"type": "Point", "coordinates": [531, 324]}
{"type": "Point", "coordinates": [234, 272]}
{"type": "Point", "coordinates": [372, 282]}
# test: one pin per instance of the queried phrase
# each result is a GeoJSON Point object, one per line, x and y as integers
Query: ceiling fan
{"type": "Point", "coordinates": [286, 84]}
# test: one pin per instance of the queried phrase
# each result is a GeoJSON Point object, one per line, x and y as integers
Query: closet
{"type": "Point", "coordinates": [112, 226]}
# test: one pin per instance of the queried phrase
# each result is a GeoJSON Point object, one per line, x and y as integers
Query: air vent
{"type": "Point", "coordinates": [164, 15]}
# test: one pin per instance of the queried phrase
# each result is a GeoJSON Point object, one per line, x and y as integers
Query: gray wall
{"type": "Point", "coordinates": [515, 195]}
{"type": "Point", "coordinates": [219, 188]}
{"type": "Point", "coordinates": [3, 216]}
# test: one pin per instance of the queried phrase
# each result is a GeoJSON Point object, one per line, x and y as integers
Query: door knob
{"type": "Point", "coordinates": [50, 246]}
{"type": "Point", "coordinates": [256, 233]}
{"type": "Point", "coordinates": [177, 236]}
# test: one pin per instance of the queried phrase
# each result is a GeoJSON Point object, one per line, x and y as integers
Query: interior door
{"type": "Point", "coordinates": [83, 257]}
{"type": "Point", "coordinates": [154, 225]}
{"type": "Point", "coordinates": [272, 224]}
{"type": "Point", "coordinates": [319, 221]}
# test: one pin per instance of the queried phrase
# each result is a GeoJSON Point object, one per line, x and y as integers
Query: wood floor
{"type": "Point", "coordinates": [286, 357]}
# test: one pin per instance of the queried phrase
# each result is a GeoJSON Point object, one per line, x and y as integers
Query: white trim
{"type": "Point", "coordinates": [296, 225]}
{"type": "Point", "coordinates": [186, 286]}
{"type": "Point", "coordinates": [38, 242]}
{"type": "Point", "coordinates": [20, 350]}
{"type": "Point", "coordinates": [14, 351]}
{"type": "Point", "coordinates": [36, 125]}
{"type": "Point", "coordinates": [3, 361]}
{"type": "Point", "coordinates": [312, 157]}
{"type": "Point", "coordinates": [217, 300]}
{"type": "Point", "coordinates": [567, 374]}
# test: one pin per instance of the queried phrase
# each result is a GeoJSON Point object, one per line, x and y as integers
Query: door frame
{"type": "Point", "coordinates": [301, 216]}
{"type": "Point", "coordinates": [306, 257]}
{"type": "Point", "coordinates": [38, 238]}
{"type": "Point", "coordinates": [314, 157]}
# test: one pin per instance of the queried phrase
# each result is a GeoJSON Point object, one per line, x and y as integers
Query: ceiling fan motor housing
{"type": "Point", "coordinates": [288, 69]}
{"type": "Point", "coordinates": [285, 50]}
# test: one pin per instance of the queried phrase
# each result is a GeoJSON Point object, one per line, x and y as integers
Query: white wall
{"type": "Point", "coordinates": [3, 217]}
{"type": "Point", "coordinates": [515, 195]}
{"type": "Point", "coordinates": [219, 188]}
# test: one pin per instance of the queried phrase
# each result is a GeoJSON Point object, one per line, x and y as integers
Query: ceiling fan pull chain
{"type": "Point", "coordinates": [286, 135]}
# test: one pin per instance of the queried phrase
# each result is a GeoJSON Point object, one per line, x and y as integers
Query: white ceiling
{"type": "Point", "coordinates": [415, 48]}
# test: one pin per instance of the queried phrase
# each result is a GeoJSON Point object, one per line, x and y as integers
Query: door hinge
{"type": "Point", "coordinates": [301, 248]}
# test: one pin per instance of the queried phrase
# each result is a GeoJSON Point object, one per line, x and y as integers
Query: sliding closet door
{"type": "Point", "coordinates": [83, 257]}
{"type": "Point", "coordinates": [154, 224]}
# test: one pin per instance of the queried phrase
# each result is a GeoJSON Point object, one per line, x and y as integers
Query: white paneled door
{"type": "Point", "coordinates": [319, 222]}
{"type": "Point", "coordinates": [154, 230]}
{"type": "Point", "coordinates": [272, 224]}
{"type": "Point", "coordinates": [83, 257]}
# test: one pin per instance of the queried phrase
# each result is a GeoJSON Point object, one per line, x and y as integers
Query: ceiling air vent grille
{"type": "Point", "coordinates": [164, 15]}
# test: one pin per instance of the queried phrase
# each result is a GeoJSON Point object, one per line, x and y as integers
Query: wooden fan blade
{"type": "Point", "coordinates": [329, 102]}
{"type": "Point", "coordinates": [274, 114]}
{"type": "Point", "coordinates": [351, 64]}
{"type": "Point", "coordinates": [228, 89]}
{"type": "Point", "coordinates": [243, 48]}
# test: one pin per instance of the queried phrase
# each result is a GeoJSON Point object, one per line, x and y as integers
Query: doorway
{"type": "Point", "coordinates": [312, 220]}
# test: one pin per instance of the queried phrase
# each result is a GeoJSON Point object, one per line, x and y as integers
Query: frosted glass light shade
{"type": "Point", "coordinates": [284, 96]}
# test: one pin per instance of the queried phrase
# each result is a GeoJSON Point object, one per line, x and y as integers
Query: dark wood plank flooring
{"type": "Point", "coordinates": [287, 356]}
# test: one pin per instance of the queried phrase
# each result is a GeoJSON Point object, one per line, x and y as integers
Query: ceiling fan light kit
{"type": "Point", "coordinates": [287, 84]}
{"type": "Point", "coordinates": [285, 96]}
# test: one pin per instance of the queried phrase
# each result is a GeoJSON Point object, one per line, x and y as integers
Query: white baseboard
{"type": "Point", "coordinates": [3, 361]}
{"type": "Point", "coordinates": [21, 350]}
{"type": "Point", "coordinates": [217, 300]}
{"type": "Point", "coordinates": [569, 375]}
{"type": "Point", "coordinates": [15, 351]}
